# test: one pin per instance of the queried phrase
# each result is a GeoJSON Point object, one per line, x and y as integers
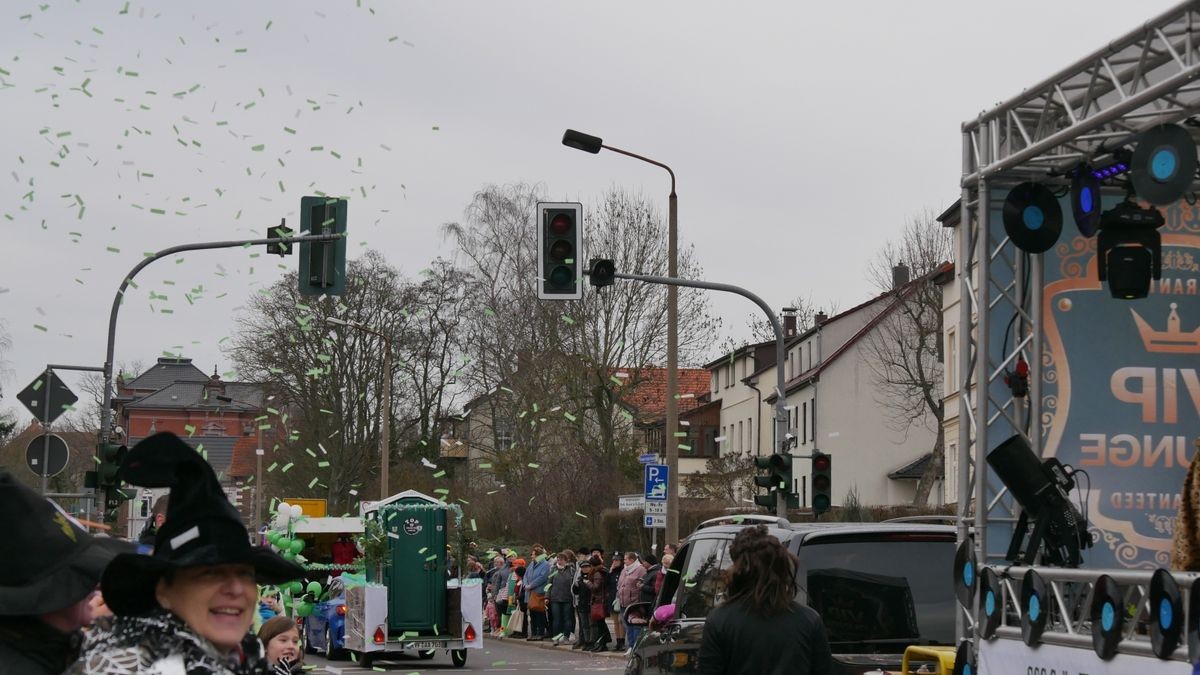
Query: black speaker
{"type": "Point", "coordinates": [1164, 164]}
{"type": "Point", "coordinates": [1166, 614]}
{"type": "Point", "coordinates": [1193, 623]}
{"type": "Point", "coordinates": [1032, 217]}
{"type": "Point", "coordinates": [965, 574]}
{"type": "Point", "coordinates": [1108, 617]}
{"type": "Point", "coordinates": [1021, 472]}
{"type": "Point", "coordinates": [1085, 201]}
{"type": "Point", "coordinates": [964, 660]}
{"type": "Point", "coordinates": [1035, 608]}
{"type": "Point", "coordinates": [991, 603]}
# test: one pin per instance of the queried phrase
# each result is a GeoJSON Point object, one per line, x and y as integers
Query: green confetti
{"type": "Point", "coordinates": [39, 327]}
{"type": "Point", "coordinates": [485, 465]}
{"type": "Point", "coordinates": [322, 465]}
{"type": "Point", "coordinates": [568, 319]}
{"type": "Point", "coordinates": [534, 465]}
{"type": "Point", "coordinates": [190, 429]}
{"type": "Point", "coordinates": [580, 514]}
{"type": "Point", "coordinates": [569, 416]}
{"type": "Point", "coordinates": [439, 474]}
{"type": "Point", "coordinates": [112, 249]}
{"type": "Point", "coordinates": [312, 483]}
{"type": "Point", "coordinates": [287, 466]}
{"type": "Point", "coordinates": [473, 528]}
{"type": "Point", "coordinates": [258, 148]}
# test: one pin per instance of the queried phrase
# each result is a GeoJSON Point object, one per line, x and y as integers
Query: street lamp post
{"type": "Point", "coordinates": [592, 144]}
{"type": "Point", "coordinates": [385, 414]}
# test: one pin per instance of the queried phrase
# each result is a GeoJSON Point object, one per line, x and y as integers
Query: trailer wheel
{"type": "Point", "coordinates": [458, 657]}
{"type": "Point", "coordinates": [366, 660]}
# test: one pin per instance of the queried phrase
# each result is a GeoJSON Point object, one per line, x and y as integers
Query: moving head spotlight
{"type": "Point", "coordinates": [1129, 249]}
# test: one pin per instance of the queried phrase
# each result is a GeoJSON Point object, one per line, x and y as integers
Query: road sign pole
{"type": "Point", "coordinates": [46, 438]}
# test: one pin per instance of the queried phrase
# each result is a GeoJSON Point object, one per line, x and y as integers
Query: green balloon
{"type": "Point", "coordinates": [304, 609]}
{"type": "Point", "coordinates": [314, 587]}
{"type": "Point", "coordinates": [297, 545]}
{"type": "Point", "coordinates": [288, 555]}
{"type": "Point", "coordinates": [297, 587]}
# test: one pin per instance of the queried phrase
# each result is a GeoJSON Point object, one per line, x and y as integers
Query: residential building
{"type": "Point", "coordinates": [835, 406]}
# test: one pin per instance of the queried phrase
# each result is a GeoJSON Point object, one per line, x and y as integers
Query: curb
{"type": "Point", "coordinates": [546, 644]}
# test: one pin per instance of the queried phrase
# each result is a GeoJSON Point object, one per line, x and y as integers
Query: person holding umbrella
{"type": "Point", "coordinates": [48, 577]}
{"type": "Point", "coordinates": [189, 606]}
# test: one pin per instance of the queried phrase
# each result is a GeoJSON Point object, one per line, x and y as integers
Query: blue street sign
{"type": "Point", "coordinates": [648, 458]}
{"type": "Point", "coordinates": [656, 482]}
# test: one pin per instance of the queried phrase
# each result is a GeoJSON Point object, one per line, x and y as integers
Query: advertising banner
{"type": "Point", "coordinates": [1120, 389]}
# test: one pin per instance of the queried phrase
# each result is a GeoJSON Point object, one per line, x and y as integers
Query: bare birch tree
{"type": "Point", "coordinates": [905, 351]}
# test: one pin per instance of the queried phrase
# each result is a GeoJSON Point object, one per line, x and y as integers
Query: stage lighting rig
{"type": "Point", "coordinates": [1129, 249]}
{"type": "Point", "coordinates": [1040, 488]}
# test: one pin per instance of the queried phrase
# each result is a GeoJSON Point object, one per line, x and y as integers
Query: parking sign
{"type": "Point", "coordinates": [656, 482]}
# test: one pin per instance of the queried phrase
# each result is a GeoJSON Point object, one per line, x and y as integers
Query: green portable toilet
{"type": "Point", "coordinates": [416, 578]}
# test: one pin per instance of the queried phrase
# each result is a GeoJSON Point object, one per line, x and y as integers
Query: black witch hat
{"type": "Point", "coordinates": [49, 561]}
{"type": "Point", "coordinates": [202, 527]}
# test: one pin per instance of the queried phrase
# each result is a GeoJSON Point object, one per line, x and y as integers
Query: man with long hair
{"type": "Point", "coordinates": [760, 629]}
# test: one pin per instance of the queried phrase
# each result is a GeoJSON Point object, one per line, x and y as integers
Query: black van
{"type": "Point", "coordinates": [879, 587]}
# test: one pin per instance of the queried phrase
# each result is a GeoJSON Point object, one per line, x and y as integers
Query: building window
{"type": "Point", "coordinates": [951, 365]}
{"type": "Point", "coordinates": [812, 426]}
{"type": "Point", "coordinates": [213, 429]}
{"type": "Point", "coordinates": [716, 381]}
{"type": "Point", "coordinates": [729, 376]}
{"type": "Point", "coordinates": [804, 423]}
{"type": "Point", "coordinates": [750, 428]}
{"type": "Point", "coordinates": [741, 445]}
{"type": "Point", "coordinates": [810, 354]}
{"type": "Point", "coordinates": [504, 435]}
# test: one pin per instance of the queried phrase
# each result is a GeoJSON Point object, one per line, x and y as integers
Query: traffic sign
{"type": "Point", "coordinates": [648, 458]}
{"type": "Point", "coordinates": [655, 521]}
{"type": "Point", "coordinates": [656, 482]}
{"type": "Point", "coordinates": [42, 464]}
{"type": "Point", "coordinates": [34, 397]}
{"type": "Point", "coordinates": [656, 508]}
{"type": "Point", "coordinates": [631, 502]}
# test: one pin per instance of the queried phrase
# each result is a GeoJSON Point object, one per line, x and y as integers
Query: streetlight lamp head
{"type": "Point", "coordinates": [582, 141]}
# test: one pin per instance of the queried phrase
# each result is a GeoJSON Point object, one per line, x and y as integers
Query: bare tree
{"type": "Point", "coordinates": [905, 351]}
{"type": "Point", "coordinates": [545, 371]}
{"type": "Point", "coordinates": [726, 479]}
{"type": "Point", "coordinates": [324, 380]}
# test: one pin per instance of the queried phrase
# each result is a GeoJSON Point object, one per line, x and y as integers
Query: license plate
{"type": "Point", "coordinates": [423, 645]}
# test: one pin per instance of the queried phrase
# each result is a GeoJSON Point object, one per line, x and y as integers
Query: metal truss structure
{"type": "Point", "coordinates": [1083, 113]}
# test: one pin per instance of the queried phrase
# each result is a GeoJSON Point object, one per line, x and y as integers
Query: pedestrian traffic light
{"type": "Point", "coordinates": [111, 455]}
{"type": "Point", "coordinates": [282, 230]}
{"type": "Point", "coordinates": [602, 272]}
{"type": "Point", "coordinates": [323, 263]}
{"type": "Point", "coordinates": [560, 245]}
{"type": "Point", "coordinates": [822, 482]}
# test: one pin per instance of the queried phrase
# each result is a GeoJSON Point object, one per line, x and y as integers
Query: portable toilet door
{"type": "Point", "coordinates": [417, 576]}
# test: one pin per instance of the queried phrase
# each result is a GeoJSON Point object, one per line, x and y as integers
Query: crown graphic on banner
{"type": "Point", "coordinates": [1170, 341]}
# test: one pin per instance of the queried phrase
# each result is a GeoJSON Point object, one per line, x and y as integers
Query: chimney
{"type": "Point", "coordinates": [820, 318]}
{"type": "Point", "coordinates": [789, 321]}
{"type": "Point", "coordinates": [900, 276]}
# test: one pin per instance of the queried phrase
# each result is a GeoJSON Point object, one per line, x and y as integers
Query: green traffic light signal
{"type": "Point", "coordinates": [560, 246]}
{"type": "Point", "coordinates": [323, 263]}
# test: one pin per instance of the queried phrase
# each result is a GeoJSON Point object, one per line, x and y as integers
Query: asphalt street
{"type": "Point", "coordinates": [497, 656]}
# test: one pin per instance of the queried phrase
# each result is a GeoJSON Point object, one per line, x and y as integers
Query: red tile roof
{"type": "Point", "coordinates": [646, 389]}
{"type": "Point", "coordinates": [244, 460]}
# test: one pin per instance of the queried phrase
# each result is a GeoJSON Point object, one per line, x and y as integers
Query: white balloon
{"type": "Point", "coordinates": [283, 508]}
{"type": "Point", "coordinates": [297, 511]}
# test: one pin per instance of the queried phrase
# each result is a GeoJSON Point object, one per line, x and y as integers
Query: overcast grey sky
{"type": "Point", "coordinates": [803, 134]}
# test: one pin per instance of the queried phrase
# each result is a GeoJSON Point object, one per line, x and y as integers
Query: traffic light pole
{"type": "Point", "coordinates": [781, 417]}
{"type": "Point", "coordinates": [106, 408]}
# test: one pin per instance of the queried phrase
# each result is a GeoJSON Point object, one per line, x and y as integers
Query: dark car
{"type": "Point", "coordinates": [879, 587]}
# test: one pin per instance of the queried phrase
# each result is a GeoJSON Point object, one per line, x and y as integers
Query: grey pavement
{"type": "Point", "coordinates": [497, 656]}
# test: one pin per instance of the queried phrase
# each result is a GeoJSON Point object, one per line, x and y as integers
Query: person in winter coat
{"type": "Point", "coordinates": [498, 590]}
{"type": "Point", "coordinates": [48, 576]}
{"type": "Point", "coordinates": [188, 607]}
{"type": "Point", "coordinates": [582, 598]}
{"type": "Point", "coordinates": [629, 591]}
{"type": "Point", "coordinates": [560, 598]}
{"type": "Point", "coordinates": [760, 629]}
{"type": "Point", "coordinates": [614, 576]}
{"type": "Point", "coordinates": [281, 640]}
{"type": "Point", "coordinates": [599, 608]}
{"type": "Point", "coordinates": [536, 577]}
{"type": "Point", "coordinates": [648, 588]}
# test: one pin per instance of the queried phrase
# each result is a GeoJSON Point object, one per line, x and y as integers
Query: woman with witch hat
{"type": "Point", "coordinates": [188, 607]}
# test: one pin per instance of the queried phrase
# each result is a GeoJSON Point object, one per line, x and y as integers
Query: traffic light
{"type": "Point", "coordinates": [602, 272]}
{"type": "Point", "coordinates": [323, 264]}
{"type": "Point", "coordinates": [560, 243]}
{"type": "Point", "coordinates": [282, 230]}
{"type": "Point", "coordinates": [111, 455]}
{"type": "Point", "coordinates": [822, 482]}
{"type": "Point", "coordinates": [778, 480]}
{"type": "Point", "coordinates": [114, 497]}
